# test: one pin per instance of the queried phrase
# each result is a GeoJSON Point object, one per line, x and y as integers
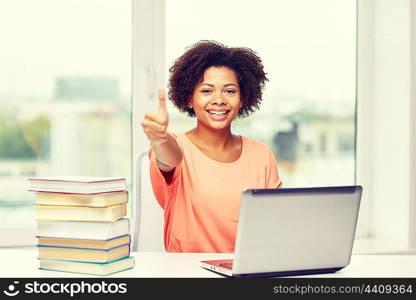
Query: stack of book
{"type": "Point", "coordinates": [81, 224]}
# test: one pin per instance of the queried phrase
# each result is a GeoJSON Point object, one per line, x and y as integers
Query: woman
{"type": "Point", "coordinates": [198, 176]}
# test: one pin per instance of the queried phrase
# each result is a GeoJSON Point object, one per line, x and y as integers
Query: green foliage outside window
{"type": "Point", "coordinates": [23, 139]}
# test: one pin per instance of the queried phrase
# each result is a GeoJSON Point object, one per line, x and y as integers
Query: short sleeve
{"type": "Point", "coordinates": [273, 179]}
{"type": "Point", "coordinates": [161, 189]}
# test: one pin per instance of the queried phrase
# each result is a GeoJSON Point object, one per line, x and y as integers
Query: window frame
{"type": "Point", "coordinates": [148, 36]}
{"type": "Point", "coordinates": [370, 115]}
{"type": "Point", "coordinates": [412, 137]}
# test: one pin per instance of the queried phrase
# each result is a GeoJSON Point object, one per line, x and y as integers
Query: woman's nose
{"type": "Point", "coordinates": [218, 98]}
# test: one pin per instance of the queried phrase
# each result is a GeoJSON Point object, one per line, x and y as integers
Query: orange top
{"type": "Point", "coordinates": [202, 202]}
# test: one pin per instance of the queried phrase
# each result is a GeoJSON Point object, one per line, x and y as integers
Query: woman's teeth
{"type": "Point", "coordinates": [217, 112]}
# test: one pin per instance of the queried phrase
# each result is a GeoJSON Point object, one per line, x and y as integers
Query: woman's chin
{"type": "Point", "coordinates": [220, 125]}
{"type": "Point", "coordinates": [216, 125]}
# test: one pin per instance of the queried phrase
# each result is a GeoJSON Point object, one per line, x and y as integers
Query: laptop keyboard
{"type": "Point", "coordinates": [228, 265]}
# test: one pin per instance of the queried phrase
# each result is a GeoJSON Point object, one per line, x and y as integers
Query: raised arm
{"type": "Point", "coordinates": [166, 148]}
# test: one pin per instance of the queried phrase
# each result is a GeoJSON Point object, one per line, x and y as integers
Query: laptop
{"type": "Point", "coordinates": [292, 231]}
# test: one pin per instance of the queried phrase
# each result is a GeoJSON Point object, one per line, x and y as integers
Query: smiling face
{"type": "Point", "coordinates": [216, 99]}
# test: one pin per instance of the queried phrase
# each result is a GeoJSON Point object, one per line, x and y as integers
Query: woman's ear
{"type": "Point", "coordinates": [190, 105]}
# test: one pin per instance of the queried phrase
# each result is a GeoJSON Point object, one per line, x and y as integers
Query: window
{"type": "Point", "coordinates": [65, 99]}
{"type": "Point", "coordinates": [386, 123]}
{"type": "Point", "coordinates": [309, 52]}
{"type": "Point", "coordinates": [66, 109]}
{"type": "Point", "coordinates": [309, 55]}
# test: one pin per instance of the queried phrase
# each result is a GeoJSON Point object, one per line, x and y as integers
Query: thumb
{"type": "Point", "coordinates": [162, 99]}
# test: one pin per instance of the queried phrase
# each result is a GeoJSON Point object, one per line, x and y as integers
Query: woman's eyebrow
{"type": "Point", "coordinates": [225, 85]}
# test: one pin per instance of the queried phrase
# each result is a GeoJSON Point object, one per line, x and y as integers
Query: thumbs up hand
{"type": "Point", "coordinates": [156, 122]}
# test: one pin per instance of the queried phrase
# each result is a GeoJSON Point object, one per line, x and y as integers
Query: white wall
{"type": "Point", "coordinates": [383, 117]}
{"type": "Point", "coordinates": [412, 196]}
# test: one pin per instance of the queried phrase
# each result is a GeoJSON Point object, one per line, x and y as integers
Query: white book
{"type": "Point", "coordinates": [83, 230]}
{"type": "Point", "coordinates": [101, 269]}
{"type": "Point", "coordinates": [77, 184]}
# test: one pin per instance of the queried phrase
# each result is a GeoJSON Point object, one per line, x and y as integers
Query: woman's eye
{"type": "Point", "coordinates": [206, 91]}
{"type": "Point", "coordinates": [230, 91]}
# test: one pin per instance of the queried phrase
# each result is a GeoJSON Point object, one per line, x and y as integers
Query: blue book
{"type": "Point", "coordinates": [84, 254]}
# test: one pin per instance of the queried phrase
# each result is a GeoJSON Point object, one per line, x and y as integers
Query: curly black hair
{"type": "Point", "coordinates": [188, 70]}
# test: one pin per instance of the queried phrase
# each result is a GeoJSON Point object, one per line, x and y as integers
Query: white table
{"type": "Point", "coordinates": [17, 263]}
